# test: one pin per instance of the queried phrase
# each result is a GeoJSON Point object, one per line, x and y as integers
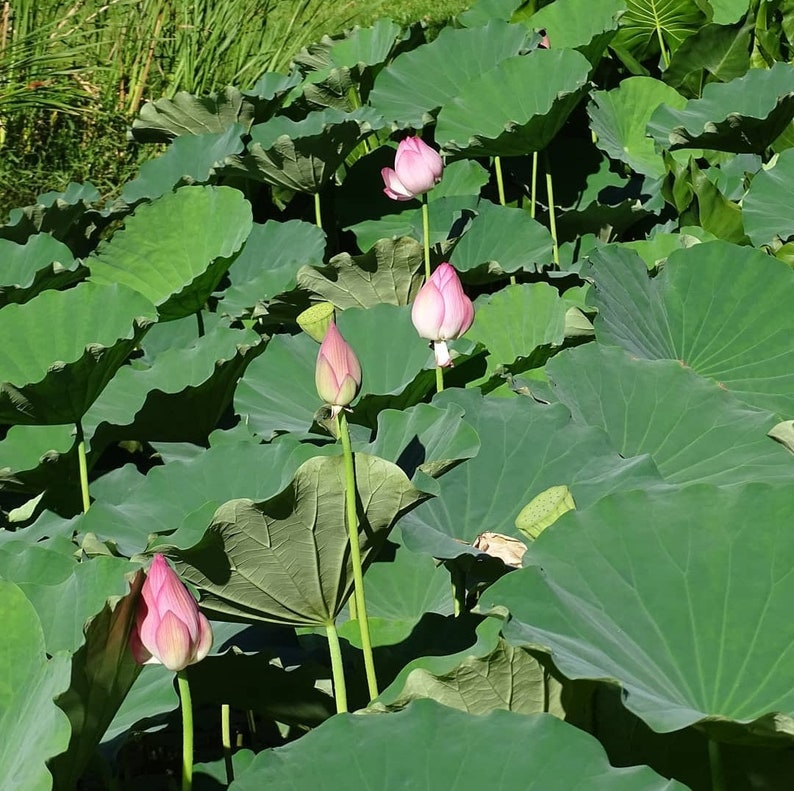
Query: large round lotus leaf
{"type": "Point", "coordinates": [519, 323]}
{"type": "Point", "coordinates": [41, 262]}
{"type": "Point", "coordinates": [189, 159]}
{"type": "Point", "coordinates": [501, 240]}
{"type": "Point", "coordinates": [179, 499]}
{"type": "Point", "coordinates": [269, 262]}
{"type": "Point", "coordinates": [178, 398]}
{"type": "Point", "coordinates": [682, 596]}
{"type": "Point", "coordinates": [415, 749]}
{"type": "Point", "coordinates": [67, 345]}
{"type": "Point", "coordinates": [391, 272]}
{"type": "Point", "coordinates": [767, 210]}
{"type": "Point", "coordinates": [287, 559]}
{"type": "Point", "coordinates": [32, 728]}
{"type": "Point", "coordinates": [619, 117]}
{"type": "Point", "coordinates": [525, 448]}
{"type": "Point", "coordinates": [743, 116]}
{"type": "Point", "coordinates": [27, 452]}
{"type": "Point", "coordinates": [693, 429]}
{"type": "Point", "coordinates": [410, 90]}
{"type": "Point", "coordinates": [516, 107]}
{"type": "Point", "coordinates": [303, 155]}
{"type": "Point", "coordinates": [718, 308]}
{"type": "Point", "coordinates": [647, 21]}
{"type": "Point", "coordinates": [175, 250]}
{"type": "Point", "coordinates": [164, 119]}
{"type": "Point", "coordinates": [578, 24]}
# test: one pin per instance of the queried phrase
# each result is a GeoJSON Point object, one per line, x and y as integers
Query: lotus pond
{"type": "Point", "coordinates": [522, 521]}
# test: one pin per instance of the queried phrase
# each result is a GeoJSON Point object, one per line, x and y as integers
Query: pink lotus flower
{"type": "Point", "coordinates": [168, 629]}
{"type": "Point", "coordinates": [442, 312]}
{"type": "Point", "coordinates": [338, 371]}
{"type": "Point", "coordinates": [417, 169]}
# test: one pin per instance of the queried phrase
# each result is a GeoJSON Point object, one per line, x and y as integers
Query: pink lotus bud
{"type": "Point", "coordinates": [441, 311]}
{"type": "Point", "coordinates": [544, 41]}
{"type": "Point", "coordinates": [338, 371]}
{"type": "Point", "coordinates": [168, 629]}
{"type": "Point", "coordinates": [417, 169]}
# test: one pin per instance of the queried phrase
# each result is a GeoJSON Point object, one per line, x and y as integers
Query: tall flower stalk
{"type": "Point", "coordinates": [338, 380]}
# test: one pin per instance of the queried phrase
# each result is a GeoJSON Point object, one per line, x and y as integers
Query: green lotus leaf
{"type": "Point", "coordinates": [65, 594]}
{"type": "Point", "coordinates": [657, 249]}
{"type": "Point", "coordinates": [744, 115]}
{"type": "Point", "coordinates": [412, 747]}
{"type": "Point", "coordinates": [501, 240]}
{"type": "Point", "coordinates": [164, 119]}
{"type": "Point", "coordinates": [578, 24]}
{"type": "Point", "coordinates": [103, 671]}
{"type": "Point", "coordinates": [693, 429]}
{"type": "Point", "coordinates": [287, 559]}
{"type": "Point", "coordinates": [179, 499]}
{"type": "Point", "coordinates": [525, 448]}
{"type": "Point", "coordinates": [519, 325]}
{"type": "Point", "coordinates": [678, 595]}
{"type": "Point", "coordinates": [483, 11]}
{"type": "Point", "coordinates": [391, 272]}
{"type": "Point", "coordinates": [27, 453]}
{"type": "Point", "coordinates": [516, 107]}
{"type": "Point", "coordinates": [190, 159]}
{"type": "Point", "coordinates": [32, 728]}
{"type": "Point", "coordinates": [181, 396]}
{"type": "Point", "coordinates": [766, 209]}
{"type": "Point", "coordinates": [42, 262]}
{"type": "Point", "coordinates": [715, 307]}
{"type": "Point", "coordinates": [719, 50]}
{"type": "Point", "coordinates": [269, 263]}
{"type": "Point", "coordinates": [726, 12]}
{"type": "Point", "coordinates": [619, 117]}
{"type": "Point", "coordinates": [647, 22]}
{"type": "Point", "coordinates": [369, 46]}
{"type": "Point", "coordinates": [409, 91]}
{"type": "Point", "coordinates": [447, 217]}
{"type": "Point", "coordinates": [304, 155]}
{"type": "Point", "coordinates": [175, 250]}
{"type": "Point", "coordinates": [487, 676]}
{"type": "Point", "coordinates": [68, 345]}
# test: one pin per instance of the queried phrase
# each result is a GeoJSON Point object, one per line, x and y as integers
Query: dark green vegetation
{"type": "Point", "coordinates": [619, 207]}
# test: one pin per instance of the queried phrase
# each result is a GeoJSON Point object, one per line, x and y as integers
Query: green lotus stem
{"type": "Point", "coordinates": [200, 323]}
{"type": "Point", "coordinates": [82, 464]}
{"type": "Point", "coordinates": [351, 606]}
{"type": "Point", "coordinates": [426, 232]}
{"type": "Point", "coordinates": [500, 183]}
{"type": "Point", "coordinates": [337, 669]}
{"type": "Point", "coordinates": [717, 772]}
{"type": "Point", "coordinates": [533, 198]}
{"type": "Point", "coordinates": [458, 580]}
{"type": "Point", "coordinates": [355, 555]}
{"type": "Point", "coordinates": [318, 217]}
{"type": "Point", "coordinates": [439, 379]}
{"type": "Point", "coordinates": [187, 730]}
{"type": "Point", "coordinates": [226, 741]}
{"type": "Point", "coordinates": [355, 100]}
{"type": "Point", "coordinates": [665, 56]}
{"type": "Point", "coordinates": [552, 218]}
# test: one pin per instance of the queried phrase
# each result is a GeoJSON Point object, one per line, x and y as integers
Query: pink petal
{"type": "Point", "coordinates": [458, 308]}
{"type": "Point", "coordinates": [427, 313]}
{"type": "Point", "coordinates": [174, 644]}
{"type": "Point", "coordinates": [337, 374]}
{"type": "Point", "coordinates": [394, 187]}
{"type": "Point", "coordinates": [204, 638]}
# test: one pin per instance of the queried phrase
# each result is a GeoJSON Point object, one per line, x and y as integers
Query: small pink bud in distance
{"type": "Point", "coordinates": [417, 169]}
{"type": "Point", "coordinates": [169, 629]}
{"type": "Point", "coordinates": [441, 311]}
{"type": "Point", "coordinates": [544, 41]}
{"type": "Point", "coordinates": [338, 371]}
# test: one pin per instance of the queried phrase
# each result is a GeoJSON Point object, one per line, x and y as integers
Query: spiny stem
{"type": "Point", "coordinates": [552, 218]}
{"type": "Point", "coordinates": [355, 555]}
{"type": "Point", "coordinates": [533, 198]}
{"type": "Point", "coordinates": [318, 217]}
{"type": "Point", "coordinates": [337, 669]}
{"type": "Point", "coordinates": [226, 741]}
{"type": "Point", "coordinates": [715, 762]}
{"type": "Point", "coordinates": [439, 379]}
{"type": "Point", "coordinates": [500, 184]}
{"type": "Point", "coordinates": [187, 730]}
{"type": "Point", "coordinates": [426, 232]}
{"type": "Point", "coordinates": [82, 464]}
